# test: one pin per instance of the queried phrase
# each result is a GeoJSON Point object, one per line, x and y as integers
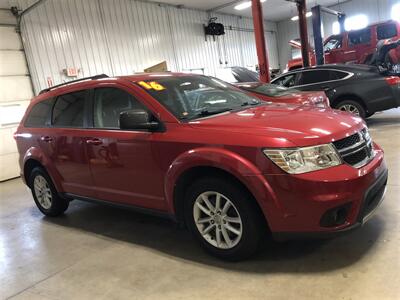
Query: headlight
{"type": "Point", "coordinates": [303, 160]}
{"type": "Point", "coordinates": [321, 101]}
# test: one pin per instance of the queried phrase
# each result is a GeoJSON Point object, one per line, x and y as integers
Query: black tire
{"type": "Point", "coordinates": [351, 103]}
{"type": "Point", "coordinates": [57, 204]}
{"type": "Point", "coordinates": [252, 224]}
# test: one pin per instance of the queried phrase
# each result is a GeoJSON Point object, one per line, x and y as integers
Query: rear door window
{"type": "Point", "coordinates": [313, 77]}
{"type": "Point", "coordinates": [360, 37]}
{"type": "Point", "coordinates": [69, 110]}
{"type": "Point", "coordinates": [39, 116]}
{"type": "Point", "coordinates": [386, 31]}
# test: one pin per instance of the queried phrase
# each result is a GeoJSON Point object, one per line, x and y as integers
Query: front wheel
{"type": "Point", "coordinates": [45, 195]}
{"type": "Point", "coordinates": [223, 218]}
{"type": "Point", "coordinates": [353, 107]}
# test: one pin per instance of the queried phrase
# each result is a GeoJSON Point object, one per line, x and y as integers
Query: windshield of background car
{"type": "Point", "coordinates": [191, 97]}
{"type": "Point", "coordinates": [334, 42]}
{"type": "Point", "coordinates": [271, 90]}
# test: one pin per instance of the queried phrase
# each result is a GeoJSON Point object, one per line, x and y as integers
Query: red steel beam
{"type": "Point", "coordinates": [263, 64]}
{"type": "Point", "coordinates": [301, 7]}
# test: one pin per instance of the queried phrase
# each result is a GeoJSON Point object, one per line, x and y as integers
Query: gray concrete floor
{"type": "Point", "coordinates": [98, 252]}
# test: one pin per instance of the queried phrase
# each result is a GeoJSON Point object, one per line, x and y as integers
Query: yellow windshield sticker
{"type": "Point", "coordinates": [152, 85]}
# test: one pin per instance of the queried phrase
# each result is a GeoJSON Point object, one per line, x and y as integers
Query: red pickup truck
{"type": "Point", "coordinates": [356, 46]}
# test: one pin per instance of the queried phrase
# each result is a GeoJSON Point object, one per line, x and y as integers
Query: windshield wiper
{"type": "Point", "coordinates": [250, 103]}
{"type": "Point", "coordinates": [208, 112]}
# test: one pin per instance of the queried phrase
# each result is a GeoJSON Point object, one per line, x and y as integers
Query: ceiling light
{"type": "Point", "coordinates": [295, 18]}
{"type": "Point", "coordinates": [245, 5]}
{"type": "Point", "coordinates": [396, 12]}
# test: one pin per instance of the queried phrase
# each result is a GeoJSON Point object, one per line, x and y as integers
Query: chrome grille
{"type": "Point", "coordinates": [356, 150]}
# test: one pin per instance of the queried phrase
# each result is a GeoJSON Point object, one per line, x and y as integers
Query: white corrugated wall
{"type": "Point", "coordinates": [15, 92]}
{"type": "Point", "coordinates": [119, 37]}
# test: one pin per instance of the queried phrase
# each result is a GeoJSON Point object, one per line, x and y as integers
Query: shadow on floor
{"type": "Point", "coordinates": [391, 117]}
{"type": "Point", "coordinates": [164, 237]}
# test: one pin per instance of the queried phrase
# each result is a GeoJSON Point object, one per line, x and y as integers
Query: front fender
{"type": "Point", "coordinates": [228, 161]}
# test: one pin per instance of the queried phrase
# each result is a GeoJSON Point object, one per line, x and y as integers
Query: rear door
{"type": "Point", "coordinates": [67, 143]}
{"type": "Point", "coordinates": [123, 162]}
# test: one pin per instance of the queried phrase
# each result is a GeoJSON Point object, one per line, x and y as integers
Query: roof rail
{"type": "Point", "coordinates": [72, 81]}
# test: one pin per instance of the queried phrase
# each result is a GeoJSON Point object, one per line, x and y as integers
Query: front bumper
{"type": "Point", "coordinates": [372, 200]}
{"type": "Point", "coordinates": [300, 203]}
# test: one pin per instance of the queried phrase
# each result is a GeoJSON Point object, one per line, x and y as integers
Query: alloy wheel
{"type": "Point", "coordinates": [217, 220]}
{"type": "Point", "coordinates": [42, 191]}
{"type": "Point", "coordinates": [350, 108]}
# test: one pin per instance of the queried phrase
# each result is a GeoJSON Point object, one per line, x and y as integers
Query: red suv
{"type": "Point", "coordinates": [204, 153]}
{"type": "Point", "coordinates": [356, 46]}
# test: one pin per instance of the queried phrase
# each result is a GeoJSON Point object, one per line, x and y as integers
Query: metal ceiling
{"type": "Point", "coordinates": [273, 10]}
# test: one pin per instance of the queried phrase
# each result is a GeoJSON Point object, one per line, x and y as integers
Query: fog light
{"type": "Point", "coordinates": [336, 216]}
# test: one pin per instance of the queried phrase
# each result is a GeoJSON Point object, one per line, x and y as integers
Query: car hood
{"type": "Point", "coordinates": [284, 125]}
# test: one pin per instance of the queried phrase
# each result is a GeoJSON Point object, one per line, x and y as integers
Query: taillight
{"type": "Point", "coordinates": [392, 80]}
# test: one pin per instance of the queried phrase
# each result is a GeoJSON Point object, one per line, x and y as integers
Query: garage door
{"type": "Point", "coordinates": [15, 93]}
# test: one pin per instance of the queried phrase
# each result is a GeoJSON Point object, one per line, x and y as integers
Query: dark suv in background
{"type": "Point", "coordinates": [359, 89]}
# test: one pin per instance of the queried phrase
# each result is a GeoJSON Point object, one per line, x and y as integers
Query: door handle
{"type": "Point", "coordinates": [46, 139]}
{"type": "Point", "coordinates": [94, 142]}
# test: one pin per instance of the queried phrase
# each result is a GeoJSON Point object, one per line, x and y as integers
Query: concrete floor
{"type": "Point", "coordinates": [98, 252]}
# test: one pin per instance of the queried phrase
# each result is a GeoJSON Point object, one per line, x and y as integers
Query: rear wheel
{"type": "Point", "coordinates": [45, 195]}
{"type": "Point", "coordinates": [353, 107]}
{"type": "Point", "coordinates": [223, 218]}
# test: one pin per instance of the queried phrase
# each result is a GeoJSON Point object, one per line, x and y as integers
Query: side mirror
{"type": "Point", "coordinates": [138, 119]}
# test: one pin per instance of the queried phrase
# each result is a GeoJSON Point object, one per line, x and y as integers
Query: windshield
{"type": "Point", "coordinates": [271, 90]}
{"type": "Point", "coordinates": [191, 97]}
{"type": "Point", "coordinates": [334, 42]}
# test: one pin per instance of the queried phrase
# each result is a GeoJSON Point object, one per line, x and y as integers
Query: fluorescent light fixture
{"type": "Point", "coordinates": [356, 22]}
{"type": "Point", "coordinates": [245, 5]}
{"type": "Point", "coordinates": [396, 12]}
{"type": "Point", "coordinates": [295, 18]}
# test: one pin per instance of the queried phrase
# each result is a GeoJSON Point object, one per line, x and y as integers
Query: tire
{"type": "Point", "coordinates": [242, 208]}
{"type": "Point", "coordinates": [45, 195]}
{"type": "Point", "coordinates": [352, 107]}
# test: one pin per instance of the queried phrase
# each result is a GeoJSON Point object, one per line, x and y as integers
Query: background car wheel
{"type": "Point", "coordinates": [224, 218]}
{"type": "Point", "coordinates": [353, 107]}
{"type": "Point", "coordinates": [45, 195]}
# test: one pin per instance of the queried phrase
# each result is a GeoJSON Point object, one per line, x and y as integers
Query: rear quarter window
{"type": "Point", "coordinates": [337, 75]}
{"type": "Point", "coordinates": [386, 31]}
{"type": "Point", "coordinates": [39, 115]}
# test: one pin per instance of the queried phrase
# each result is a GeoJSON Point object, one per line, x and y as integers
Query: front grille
{"type": "Point", "coordinates": [356, 150]}
{"type": "Point", "coordinates": [347, 142]}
